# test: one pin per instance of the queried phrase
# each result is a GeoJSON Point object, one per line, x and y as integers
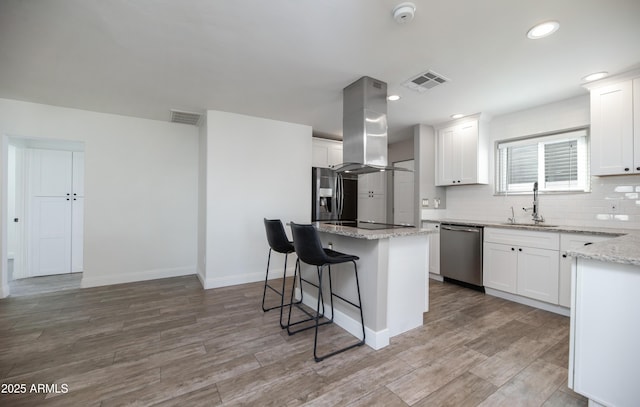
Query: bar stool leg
{"type": "Point", "coordinates": [359, 306]}
{"type": "Point", "coordinates": [291, 302]}
{"type": "Point", "coordinates": [266, 283]}
{"type": "Point", "coordinates": [319, 311]}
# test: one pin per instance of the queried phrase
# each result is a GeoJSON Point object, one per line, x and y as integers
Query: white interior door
{"type": "Point", "coordinates": [403, 205]}
{"type": "Point", "coordinates": [51, 172]}
{"type": "Point", "coordinates": [50, 236]}
{"type": "Point", "coordinates": [77, 235]}
{"type": "Point", "coordinates": [56, 195]}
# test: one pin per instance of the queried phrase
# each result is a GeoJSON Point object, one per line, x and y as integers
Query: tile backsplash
{"type": "Point", "coordinates": [613, 202]}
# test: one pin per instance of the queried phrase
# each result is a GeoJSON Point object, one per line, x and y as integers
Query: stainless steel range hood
{"type": "Point", "coordinates": [364, 127]}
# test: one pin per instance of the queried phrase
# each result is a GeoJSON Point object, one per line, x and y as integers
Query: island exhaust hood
{"type": "Point", "coordinates": [364, 127]}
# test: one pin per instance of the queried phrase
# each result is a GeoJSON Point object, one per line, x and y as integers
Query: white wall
{"type": "Point", "coordinates": [141, 188]}
{"type": "Point", "coordinates": [202, 199]}
{"type": "Point", "coordinates": [256, 168]}
{"type": "Point", "coordinates": [589, 209]}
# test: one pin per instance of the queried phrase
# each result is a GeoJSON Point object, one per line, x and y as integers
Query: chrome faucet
{"type": "Point", "coordinates": [535, 214]}
{"type": "Point", "coordinates": [512, 219]}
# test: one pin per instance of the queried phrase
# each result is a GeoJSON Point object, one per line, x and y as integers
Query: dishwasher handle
{"type": "Point", "coordinates": [460, 228]}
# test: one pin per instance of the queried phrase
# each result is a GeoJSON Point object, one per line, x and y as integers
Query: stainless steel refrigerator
{"type": "Point", "coordinates": [334, 196]}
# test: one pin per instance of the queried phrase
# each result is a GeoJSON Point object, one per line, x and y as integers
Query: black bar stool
{"type": "Point", "coordinates": [278, 242]}
{"type": "Point", "coordinates": [310, 251]}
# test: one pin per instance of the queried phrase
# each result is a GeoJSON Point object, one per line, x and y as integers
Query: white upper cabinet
{"type": "Point", "coordinates": [372, 197]}
{"type": "Point", "coordinates": [326, 153]}
{"type": "Point", "coordinates": [612, 138]}
{"type": "Point", "coordinates": [462, 154]}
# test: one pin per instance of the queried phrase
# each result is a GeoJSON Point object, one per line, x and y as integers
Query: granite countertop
{"type": "Point", "coordinates": [623, 247]}
{"type": "Point", "coordinates": [367, 234]}
{"type": "Point", "coordinates": [613, 232]}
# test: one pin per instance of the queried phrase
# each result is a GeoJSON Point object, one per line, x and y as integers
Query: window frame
{"type": "Point", "coordinates": [582, 185]}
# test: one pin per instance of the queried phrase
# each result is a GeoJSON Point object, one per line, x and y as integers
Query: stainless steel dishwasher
{"type": "Point", "coordinates": [461, 254]}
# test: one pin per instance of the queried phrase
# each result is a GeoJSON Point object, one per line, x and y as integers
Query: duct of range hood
{"type": "Point", "coordinates": [364, 128]}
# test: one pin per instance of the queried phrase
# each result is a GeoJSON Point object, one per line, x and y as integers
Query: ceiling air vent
{"type": "Point", "coordinates": [178, 116]}
{"type": "Point", "coordinates": [425, 81]}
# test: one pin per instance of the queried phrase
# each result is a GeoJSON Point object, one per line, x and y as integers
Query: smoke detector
{"type": "Point", "coordinates": [404, 12]}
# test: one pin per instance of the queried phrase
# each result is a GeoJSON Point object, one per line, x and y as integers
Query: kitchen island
{"type": "Point", "coordinates": [604, 362]}
{"type": "Point", "coordinates": [392, 270]}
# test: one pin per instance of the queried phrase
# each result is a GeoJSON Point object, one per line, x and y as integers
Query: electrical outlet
{"type": "Point", "coordinates": [614, 205]}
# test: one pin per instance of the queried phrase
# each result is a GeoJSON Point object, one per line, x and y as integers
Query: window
{"type": "Point", "coordinates": [558, 162]}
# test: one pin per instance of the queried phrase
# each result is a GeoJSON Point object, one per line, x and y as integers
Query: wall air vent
{"type": "Point", "coordinates": [178, 116]}
{"type": "Point", "coordinates": [425, 81]}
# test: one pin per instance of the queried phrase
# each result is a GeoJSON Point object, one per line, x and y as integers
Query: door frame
{"type": "Point", "coordinates": [71, 145]}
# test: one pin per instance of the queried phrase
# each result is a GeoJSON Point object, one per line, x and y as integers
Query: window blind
{"type": "Point", "coordinates": [558, 162]}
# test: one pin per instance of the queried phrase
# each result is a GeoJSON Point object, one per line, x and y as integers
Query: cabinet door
{"type": "Point", "coordinates": [467, 146]}
{"type": "Point", "coordinates": [499, 266]}
{"type": "Point", "coordinates": [334, 155]}
{"type": "Point", "coordinates": [446, 159]}
{"type": "Point", "coordinates": [372, 183]}
{"type": "Point", "coordinates": [564, 281]}
{"type": "Point", "coordinates": [319, 156]}
{"type": "Point", "coordinates": [434, 248]}
{"type": "Point", "coordinates": [372, 208]}
{"type": "Point", "coordinates": [612, 129]}
{"type": "Point", "coordinates": [538, 273]}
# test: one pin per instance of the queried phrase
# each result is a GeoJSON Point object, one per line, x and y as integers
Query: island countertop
{"type": "Point", "coordinates": [368, 234]}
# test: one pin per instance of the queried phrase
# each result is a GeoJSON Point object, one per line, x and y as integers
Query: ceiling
{"type": "Point", "coordinates": [290, 59]}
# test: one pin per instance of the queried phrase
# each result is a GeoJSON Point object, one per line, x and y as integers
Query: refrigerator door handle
{"type": "Point", "coordinates": [338, 198]}
{"type": "Point", "coordinates": [341, 195]}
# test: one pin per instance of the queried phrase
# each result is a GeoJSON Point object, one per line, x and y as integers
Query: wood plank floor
{"type": "Point", "coordinates": [168, 342]}
{"type": "Point", "coordinates": [44, 284]}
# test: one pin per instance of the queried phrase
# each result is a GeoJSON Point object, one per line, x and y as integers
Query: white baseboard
{"type": "Point", "coordinates": [374, 339]}
{"type": "Point", "coordinates": [96, 281]}
{"type": "Point", "coordinates": [4, 291]}
{"type": "Point", "coordinates": [226, 281]}
{"type": "Point", "coordinates": [436, 277]}
{"type": "Point", "coordinates": [557, 309]}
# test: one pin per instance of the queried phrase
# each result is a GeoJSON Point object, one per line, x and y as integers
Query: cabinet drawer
{"type": "Point", "coordinates": [570, 241]}
{"type": "Point", "coordinates": [541, 240]}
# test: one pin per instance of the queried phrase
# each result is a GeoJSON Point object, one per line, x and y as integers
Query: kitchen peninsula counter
{"type": "Point", "coordinates": [368, 234]}
{"type": "Point", "coordinates": [393, 275]}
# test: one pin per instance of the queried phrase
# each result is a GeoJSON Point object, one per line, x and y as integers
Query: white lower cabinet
{"type": "Point", "coordinates": [538, 271]}
{"type": "Point", "coordinates": [499, 265]}
{"type": "Point", "coordinates": [522, 262]}
{"type": "Point", "coordinates": [434, 247]}
{"type": "Point", "coordinates": [570, 241]}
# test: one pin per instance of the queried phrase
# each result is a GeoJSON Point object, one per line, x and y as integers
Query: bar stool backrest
{"type": "Point", "coordinates": [307, 244]}
{"type": "Point", "coordinates": [277, 237]}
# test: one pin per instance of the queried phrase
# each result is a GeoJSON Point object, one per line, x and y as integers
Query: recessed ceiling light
{"type": "Point", "coordinates": [595, 76]}
{"type": "Point", "coordinates": [457, 116]}
{"type": "Point", "coordinates": [393, 97]}
{"type": "Point", "coordinates": [543, 30]}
